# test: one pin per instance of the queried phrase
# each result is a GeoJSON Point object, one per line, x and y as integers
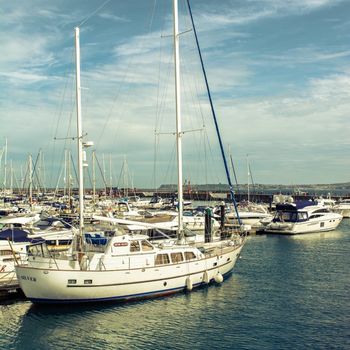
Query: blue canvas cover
{"type": "Point", "coordinates": [17, 235]}
{"type": "Point", "coordinates": [294, 206]}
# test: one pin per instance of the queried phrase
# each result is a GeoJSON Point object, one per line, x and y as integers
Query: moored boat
{"type": "Point", "coordinates": [343, 208]}
{"type": "Point", "coordinates": [125, 267]}
{"type": "Point", "coordinates": [302, 217]}
{"type": "Point", "coordinates": [130, 267]}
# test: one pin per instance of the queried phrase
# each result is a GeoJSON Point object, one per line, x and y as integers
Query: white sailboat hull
{"type": "Point", "coordinates": [52, 285]}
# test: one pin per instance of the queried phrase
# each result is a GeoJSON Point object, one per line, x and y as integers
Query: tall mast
{"type": "Point", "coordinates": [30, 164]}
{"type": "Point", "coordinates": [248, 173]}
{"type": "Point", "coordinates": [178, 119]}
{"type": "Point", "coordinates": [79, 133]}
{"type": "Point", "coordinates": [93, 178]}
{"type": "Point", "coordinates": [68, 174]}
{"type": "Point", "coordinates": [65, 173]}
{"type": "Point", "coordinates": [125, 175]}
{"type": "Point", "coordinates": [5, 166]}
{"type": "Point", "coordinates": [104, 174]}
{"type": "Point", "coordinates": [11, 177]}
{"type": "Point", "coordinates": [43, 172]}
{"type": "Point", "coordinates": [22, 179]}
{"type": "Point", "coordinates": [39, 175]}
{"type": "Point", "coordinates": [110, 175]}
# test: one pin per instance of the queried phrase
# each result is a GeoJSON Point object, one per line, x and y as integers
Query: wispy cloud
{"type": "Point", "coordinates": [23, 76]}
{"type": "Point", "coordinates": [139, 44]}
{"type": "Point", "coordinates": [282, 121]}
{"type": "Point", "coordinates": [252, 11]}
{"type": "Point", "coordinates": [305, 55]}
{"type": "Point", "coordinates": [335, 88]}
{"type": "Point", "coordinates": [112, 17]}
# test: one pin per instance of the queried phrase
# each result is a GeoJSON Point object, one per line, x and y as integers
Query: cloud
{"type": "Point", "coordinates": [23, 77]}
{"type": "Point", "coordinates": [298, 128]}
{"type": "Point", "coordinates": [303, 55]}
{"type": "Point", "coordinates": [252, 11]}
{"type": "Point", "coordinates": [293, 129]}
{"type": "Point", "coordinates": [112, 17]}
{"type": "Point", "coordinates": [334, 89]}
{"type": "Point", "coordinates": [139, 44]}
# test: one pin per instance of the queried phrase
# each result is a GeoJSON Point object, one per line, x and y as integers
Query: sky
{"type": "Point", "coordinates": [278, 70]}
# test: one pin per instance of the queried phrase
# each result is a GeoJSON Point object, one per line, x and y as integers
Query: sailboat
{"type": "Point", "coordinates": [125, 267]}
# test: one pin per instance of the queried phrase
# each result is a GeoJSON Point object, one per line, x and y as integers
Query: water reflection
{"type": "Point", "coordinates": [318, 235]}
{"type": "Point", "coordinates": [10, 318]}
{"type": "Point", "coordinates": [284, 292]}
{"type": "Point", "coordinates": [146, 324]}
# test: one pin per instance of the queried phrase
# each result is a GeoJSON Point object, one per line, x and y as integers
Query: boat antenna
{"type": "Point", "coordinates": [215, 120]}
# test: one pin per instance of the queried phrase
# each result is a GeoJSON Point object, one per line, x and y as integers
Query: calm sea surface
{"type": "Point", "coordinates": [285, 293]}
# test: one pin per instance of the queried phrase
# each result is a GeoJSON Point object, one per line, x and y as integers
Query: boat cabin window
{"type": "Point", "coordinates": [190, 256]}
{"type": "Point", "coordinates": [324, 210]}
{"type": "Point", "coordinates": [134, 246]}
{"type": "Point", "coordinates": [64, 241]}
{"type": "Point", "coordinates": [162, 259]}
{"type": "Point", "coordinates": [5, 252]}
{"type": "Point", "coordinates": [38, 250]}
{"type": "Point", "coordinates": [314, 216]}
{"type": "Point", "coordinates": [290, 216]}
{"type": "Point", "coordinates": [51, 242]}
{"type": "Point", "coordinates": [302, 216]}
{"type": "Point", "coordinates": [8, 259]}
{"type": "Point", "coordinates": [146, 246]}
{"type": "Point", "coordinates": [42, 224]}
{"type": "Point", "coordinates": [176, 257]}
{"type": "Point", "coordinates": [122, 207]}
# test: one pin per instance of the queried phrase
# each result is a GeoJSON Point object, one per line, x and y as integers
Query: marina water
{"type": "Point", "coordinates": [284, 293]}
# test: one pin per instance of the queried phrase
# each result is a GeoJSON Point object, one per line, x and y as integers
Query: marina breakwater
{"type": "Point", "coordinates": [266, 196]}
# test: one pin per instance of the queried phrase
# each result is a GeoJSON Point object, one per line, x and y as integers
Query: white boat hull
{"type": "Point", "coordinates": [345, 212]}
{"type": "Point", "coordinates": [54, 285]}
{"type": "Point", "coordinates": [303, 227]}
{"type": "Point", "coordinates": [252, 219]}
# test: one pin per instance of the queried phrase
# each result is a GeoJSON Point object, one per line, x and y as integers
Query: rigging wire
{"type": "Point", "coordinates": [93, 13]}
{"type": "Point", "coordinates": [69, 80]}
{"type": "Point", "coordinates": [215, 120]}
{"type": "Point", "coordinates": [170, 166]}
{"type": "Point", "coordinates": [126, 76]}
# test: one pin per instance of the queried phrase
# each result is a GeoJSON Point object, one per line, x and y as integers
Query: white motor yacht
{"type": "Point", "coordinates": [343, 208]}
{"type": "Point", "coordinates": [302, 217]}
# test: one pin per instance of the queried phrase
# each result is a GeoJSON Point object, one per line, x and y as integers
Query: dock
{"type": "Point", "coordinates": [10, 290]}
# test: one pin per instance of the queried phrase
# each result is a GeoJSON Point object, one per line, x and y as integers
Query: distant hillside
{"type": "Point", "coordinates": [310, 188]}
